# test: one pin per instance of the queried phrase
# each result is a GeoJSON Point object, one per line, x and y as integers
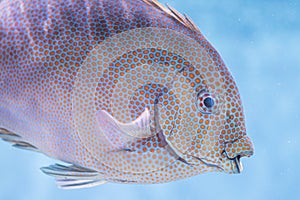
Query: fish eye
{"type": "Point", "coordinates": [209, 102]}
{"type": "Point", "coordinates": [206, 102]}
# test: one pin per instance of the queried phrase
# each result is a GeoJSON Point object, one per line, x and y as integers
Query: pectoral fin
{"type": "Point", "coordinates": [121, 133]}
{"type": "Point", "coordinates": [139, 128]}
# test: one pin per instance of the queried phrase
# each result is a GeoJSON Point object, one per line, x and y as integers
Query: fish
{"type": "Point", "coordinates": [120, 91]}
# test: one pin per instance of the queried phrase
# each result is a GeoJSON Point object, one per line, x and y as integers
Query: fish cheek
{"type": "Point", "coordinates": [190, 133]}
{"type": "Point", "coordinates": [206, 143]}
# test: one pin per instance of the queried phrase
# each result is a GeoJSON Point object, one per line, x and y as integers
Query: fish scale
{"type": "Point", "coordinates": [125, 91]}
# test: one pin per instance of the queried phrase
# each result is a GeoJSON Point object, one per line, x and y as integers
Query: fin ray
{"type": "Point", "coordinates": [16, 140]}
{"type": "Point", "coordinates": [74, 177]}
{"type": "Point", "coordinates": [183, 19]}
{"type": "Point", "coordinates": [77, 184]}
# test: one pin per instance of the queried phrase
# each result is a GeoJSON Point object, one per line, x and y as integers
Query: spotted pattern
{"type": "Point", "coordinates": [63, 63]}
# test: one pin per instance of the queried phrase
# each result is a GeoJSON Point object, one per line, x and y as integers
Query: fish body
{"type": "Point", "coordinates": [126, 91]}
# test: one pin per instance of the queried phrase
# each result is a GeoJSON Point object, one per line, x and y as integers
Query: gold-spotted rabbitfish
{"type": "Point", "coordinates": [124, 91]}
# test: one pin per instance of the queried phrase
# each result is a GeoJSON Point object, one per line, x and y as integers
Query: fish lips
{"type": "Point", "coordinates": [237, 166]}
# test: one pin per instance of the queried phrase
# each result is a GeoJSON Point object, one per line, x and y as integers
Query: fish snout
{"type": "Point", "coordinates": [236, 150]}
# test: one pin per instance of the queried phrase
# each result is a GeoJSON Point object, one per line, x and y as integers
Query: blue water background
{"type": "Point", "coordinates": [260, 42]}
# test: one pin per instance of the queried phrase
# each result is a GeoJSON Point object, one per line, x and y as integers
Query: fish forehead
{"type": "Point", "coordinates": [52, 40]}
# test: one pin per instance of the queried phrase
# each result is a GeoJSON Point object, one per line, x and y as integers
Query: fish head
{"type": "Point", "coordinates": [204, 120]}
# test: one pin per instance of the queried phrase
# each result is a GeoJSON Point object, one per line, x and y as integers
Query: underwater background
{"type": "Point", "coordinates": [259, 41]}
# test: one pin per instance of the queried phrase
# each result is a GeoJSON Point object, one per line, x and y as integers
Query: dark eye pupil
{"type": "Point", "coordinates": [209, 102]}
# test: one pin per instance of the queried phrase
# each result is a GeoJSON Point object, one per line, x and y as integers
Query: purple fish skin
{"type": "Point", "coordinates": [50, 55]}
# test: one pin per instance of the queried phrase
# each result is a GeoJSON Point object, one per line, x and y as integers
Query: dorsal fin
{"type": "Point", "coordinates": [16, 140]}
{"type": "Point", "coordinates": [183, 19]}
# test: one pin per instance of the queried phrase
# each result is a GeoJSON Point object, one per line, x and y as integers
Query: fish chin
{"type": "Point", "coordinates": [214, 166]}
{"type": "Point", "coordinates": [230, 166]}
{"type": "Point", "coordinates": [197, 161]}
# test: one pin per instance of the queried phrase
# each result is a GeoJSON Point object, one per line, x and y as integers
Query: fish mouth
{"type": "Point", "coordinates": [234, 151]}
{"type": "Point", "coordinates": [236, 164]}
